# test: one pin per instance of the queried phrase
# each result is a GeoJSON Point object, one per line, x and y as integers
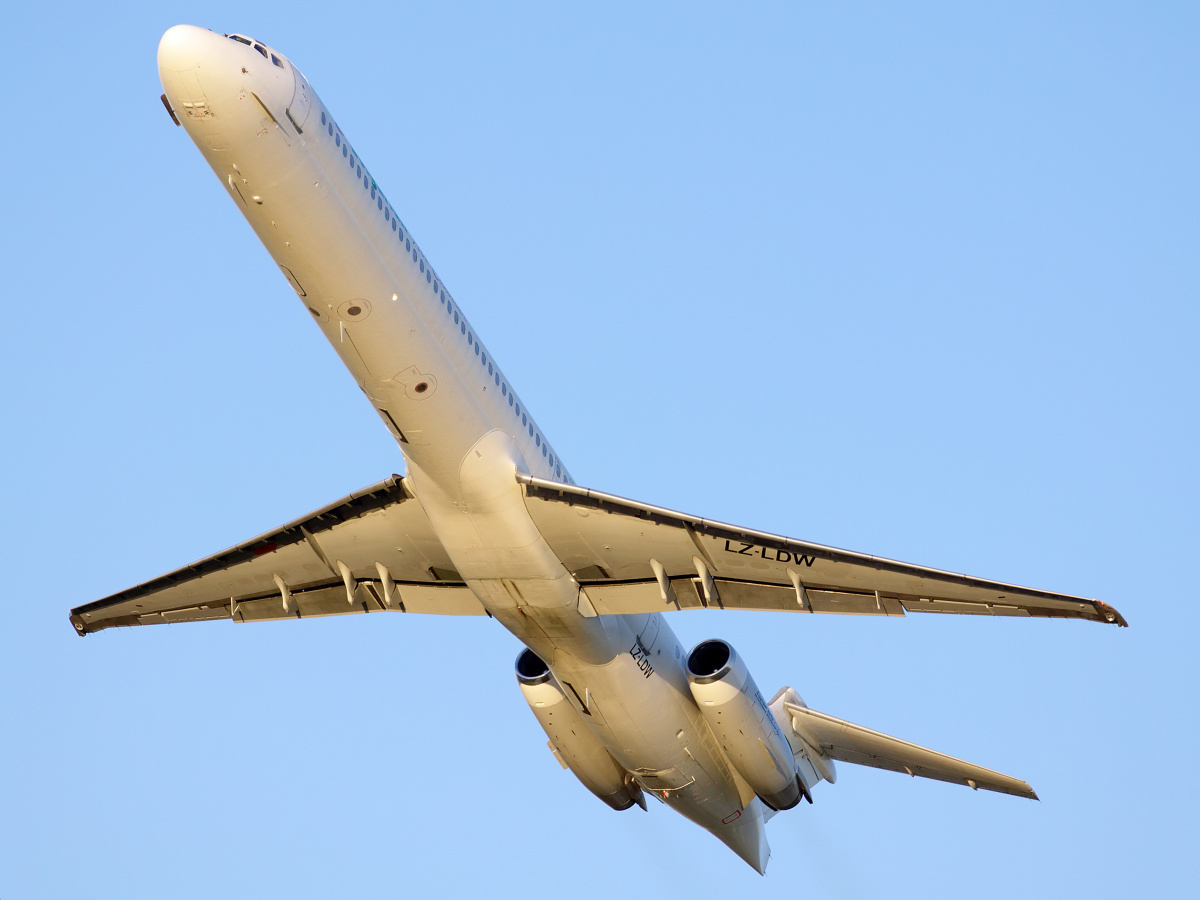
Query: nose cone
{"type": "Point", "coordinates": [183, 47]}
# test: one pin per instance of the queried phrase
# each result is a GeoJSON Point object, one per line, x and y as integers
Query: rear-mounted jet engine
{"type": "Point", "coordinates": [571, 740]}
{"type": "Point", "coordinates": [743, 725]}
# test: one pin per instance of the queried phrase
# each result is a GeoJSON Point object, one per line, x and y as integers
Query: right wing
{"type": "Point", "coordinates": [372, 551]}
{"type": "Point", "coordinates": [631, 557]}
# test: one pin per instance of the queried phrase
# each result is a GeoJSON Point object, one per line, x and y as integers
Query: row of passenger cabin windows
{"type": "Point", "coordinates": [493, 371]}
{"type": "Point", "coordinates": [249, 42]}
{"type": "Point", "coordinates": [439, 290]}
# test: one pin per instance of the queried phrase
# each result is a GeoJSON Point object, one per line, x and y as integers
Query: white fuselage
{"type": "Point", "coordinates": [462, 430]}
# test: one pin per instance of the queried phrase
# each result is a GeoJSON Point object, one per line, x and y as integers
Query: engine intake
{"type": "Point", "coordinates": [531, 669]}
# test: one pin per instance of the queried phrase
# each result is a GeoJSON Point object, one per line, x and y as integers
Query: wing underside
{"type": "Point", "coordinates": [372, 551]}
{"type": "Point", "coordinates": [635, 558]}
{"type": "Point", "coordinates": [375, 551]}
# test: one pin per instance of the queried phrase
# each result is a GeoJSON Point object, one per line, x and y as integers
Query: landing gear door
{"type": "Point", "coordinates": [301, 104]}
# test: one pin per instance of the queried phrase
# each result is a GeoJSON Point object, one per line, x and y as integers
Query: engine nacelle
{"type": "Point", "coordinates": [743, 725]}
{"type": "Point", "coordinates": [573, 742]}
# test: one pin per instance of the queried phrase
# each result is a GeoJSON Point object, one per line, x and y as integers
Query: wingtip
{"type": "Point", "coordinates": [1110, 615]}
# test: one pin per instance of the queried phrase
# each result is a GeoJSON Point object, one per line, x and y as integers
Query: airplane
{"type": "Point", "coordinates": [488, 521]}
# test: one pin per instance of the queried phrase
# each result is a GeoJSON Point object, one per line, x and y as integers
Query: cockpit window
{"type": "Point", "coordinates": [261, 49]}
{"type": "Point", "coordinates": [275, 59]}
{"type": "Point", "coordinates": [240, 39]}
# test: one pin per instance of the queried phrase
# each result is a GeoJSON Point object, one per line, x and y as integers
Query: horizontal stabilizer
{"type": "Point", "coordinates": [847, 742]}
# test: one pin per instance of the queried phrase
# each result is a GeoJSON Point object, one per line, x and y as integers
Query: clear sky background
{"type": "Point", "coordinates": [918, 280]}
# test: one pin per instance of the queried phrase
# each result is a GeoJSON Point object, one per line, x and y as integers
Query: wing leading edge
{"type": "Point", "coordinates": [372, 551]}
{"type": "Point", "coordinates": [630, 557]}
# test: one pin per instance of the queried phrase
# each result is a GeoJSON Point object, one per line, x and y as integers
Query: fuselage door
{"type": "Point", "coordinates": [650, 631]}
{"type": "Point", "coordinates": [301, 104]}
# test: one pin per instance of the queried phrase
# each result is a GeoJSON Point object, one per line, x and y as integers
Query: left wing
{"type": "Point", "coordinates": [634, 558]}
{"type": "Point", "coordinates": [372, 551]}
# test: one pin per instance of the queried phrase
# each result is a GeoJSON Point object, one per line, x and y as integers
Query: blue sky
{"type": "Point", "coordinates": [918, 280]}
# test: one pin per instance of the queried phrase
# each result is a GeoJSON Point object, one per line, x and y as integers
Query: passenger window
{"type": "Point", "coordinates": [427, 276]}
{"type": "Point", "coordinates": [558, 471]}
{"type": "Point", "coordinates": [504, 391]}
{"type": "Point", "coordinates": [531, 429]}
{"type": "Point", "coordinates": [329, 127]}
{"type": "Point", "coordinates": [537, 439]}
{"type": "Point", "coordinates": [337, 142]}
{"type": "Point", "coordinates": [344, 152]}
{"type": "Point", "coordinates": [407, 243]}
{"type": "Point", "coordinates": [422, 265]}
{"type": "Point", "coordinates": [456, 317]}
{"type": "Point", "coordinates": [322, 117]}
{"type": "Point", "coordinates": [524, 421]}
{"type": "Point", "coordinates": [510, 399]}
{"type": "Point", "coordinates": [543, 450]}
